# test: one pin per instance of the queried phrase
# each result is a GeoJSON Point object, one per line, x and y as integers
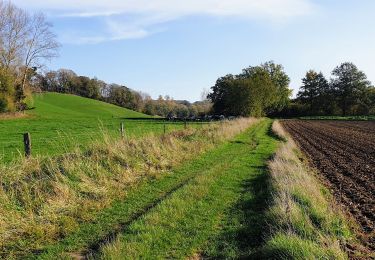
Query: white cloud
{"type": "Point", "coordinates": [272, 8]}
{"type": "Point", "coordinates": [148, 13]}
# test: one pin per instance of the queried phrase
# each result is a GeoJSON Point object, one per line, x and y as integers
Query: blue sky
{"type": "Point", "coordinates": [179, 48]}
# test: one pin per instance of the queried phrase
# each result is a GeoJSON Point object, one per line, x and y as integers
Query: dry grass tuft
{"type": "Point", "coordinates": [304, 221]}
{"type": "Point", "coordinates": [15, 115]}
{"type": "Point", "coordinates": [45, 199]}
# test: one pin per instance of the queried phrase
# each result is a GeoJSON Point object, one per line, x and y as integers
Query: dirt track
{"type": "Point", "coordinates": [344, 153]}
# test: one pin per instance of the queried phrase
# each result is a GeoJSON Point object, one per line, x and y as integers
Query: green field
{"type": "Point", "coordinates": [60, 122]}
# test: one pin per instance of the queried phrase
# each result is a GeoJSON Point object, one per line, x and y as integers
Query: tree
{"type": "Point", "coordinates": [255, 92]}
{"type": "Point", "coordinates": [66, 80]}
{"type": "Point", "coordinates": [349, 86]}
{"type": "Point", "coordinates": [26, 41]}
{"type": "Point", "coordinates": [315, 92]}
{"type": "Point", "coordinates": [13, 32]}
{"type": "Point", "coordinates": [280, 80]}
{"type": "Point", "coordinates": [220, 95]}
{"type": "Point", "coordinates": [6, 91]}
{"type": "Point", "coordinates": [40, 44]}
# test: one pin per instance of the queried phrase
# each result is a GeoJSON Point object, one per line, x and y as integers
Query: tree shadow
{"type": "Point", "coordinates": [245, 228]}
{"type": "Point", "coordinates": [248, 214]}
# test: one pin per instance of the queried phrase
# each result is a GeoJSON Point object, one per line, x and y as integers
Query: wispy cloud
{"type": "Point", "coordinates": [146, 14]}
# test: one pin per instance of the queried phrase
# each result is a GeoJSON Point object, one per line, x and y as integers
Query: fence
{"type": "Point", "coordinates": [42, 143]}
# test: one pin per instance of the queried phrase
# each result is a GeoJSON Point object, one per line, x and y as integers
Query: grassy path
{"type": "Point", "coordinates": [219, 213]}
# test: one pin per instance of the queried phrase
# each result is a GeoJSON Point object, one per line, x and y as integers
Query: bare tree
{"type": "Point", "coordinates": [41, 44]}
{"type": "Point", "coordinates": [26, 42]}
{"type": "Point", "coordinates": [13, 32]}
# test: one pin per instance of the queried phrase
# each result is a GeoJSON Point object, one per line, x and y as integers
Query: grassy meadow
{"type": "Point", "coordinates": [59, 122]}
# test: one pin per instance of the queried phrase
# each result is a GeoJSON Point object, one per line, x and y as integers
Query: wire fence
{"type": "Point", "coordinates": [55, 142]}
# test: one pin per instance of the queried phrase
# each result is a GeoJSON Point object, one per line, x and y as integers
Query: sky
{"type": "Point", "coordinates": [180, 48]}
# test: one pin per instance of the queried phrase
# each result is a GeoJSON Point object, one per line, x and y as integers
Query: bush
{"type": "Point", "coordinates": [3, 105]}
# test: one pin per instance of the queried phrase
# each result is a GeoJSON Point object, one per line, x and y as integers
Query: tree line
{"type": "Point", "coordinates": [67, 81]}
{"type": "Point", "coordinates": [348, 92]}
{"type": "Point", "coordinates": [264, 90]}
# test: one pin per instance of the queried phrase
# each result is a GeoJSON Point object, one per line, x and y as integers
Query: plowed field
{"type": "Point", "coordinates": [344, 154]}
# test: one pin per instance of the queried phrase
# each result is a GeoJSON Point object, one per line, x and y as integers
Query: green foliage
{"type": "Point", "coordinates": [350, 86]}
{"type": "Point", "coordinates": [7, 91]}
{"type": "Point", "coordinates": [167, 107]}
{"type": "Point", "coordinates": [257, 91]}
{"type": "Point", "coordinates": [123, 97]}
{"type": "Point", "coordinates": [348, 93]}
{"type": "Point", "coordinates": [315, 93]}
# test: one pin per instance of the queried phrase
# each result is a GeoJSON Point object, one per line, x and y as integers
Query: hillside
{"type": "Point", "coordinates": [52, 105]}
{"type": "Point", "coordinates": [58, 122]}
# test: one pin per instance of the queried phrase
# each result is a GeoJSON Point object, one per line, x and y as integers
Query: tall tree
{"type": "Point", "coordinates": [251, 93]}
{"type": "Point", "coordinates": [349, 85]}
{"type": "Point", "coordinates": [280, 80]}
{"type": "Point", "coordinates": [220, 95]}
{"type": "Point", "coordinates": [26, 41]}
{"type": "Point", "coordinates": [315, 92]}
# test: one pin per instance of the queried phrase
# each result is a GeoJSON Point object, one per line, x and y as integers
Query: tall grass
{"type": "Point", "coordinates": [304, 221]}
{"type": "Point", "coordinates": [44, 199]}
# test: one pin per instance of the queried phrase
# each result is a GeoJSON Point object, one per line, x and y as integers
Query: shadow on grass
{"type": "Point", "coordinates": [245, 233]}
{"type": "Point", "coordinates": [245, 225]}
{"type": "Point", "coordinates": [270, 133]}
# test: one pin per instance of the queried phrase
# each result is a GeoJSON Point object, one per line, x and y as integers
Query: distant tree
{"type": "Point", "coordinates": [371, 100]}
{"type": "Point", "coordinates": [349, 86]}
{"type": "Point", "coordinates": [66, 80]}
{"type": "Point", "coordinates": [255, 92]}
{"type": "Point", "coordinates": [315, 92]}
{"type": "Point", "coordinates": [222, 94]}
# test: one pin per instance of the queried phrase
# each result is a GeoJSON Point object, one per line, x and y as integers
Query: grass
{"type": "Point", "coordinates": [60, 122]}
{"type": "Point", "coordinates": [303, 219]}
{"type": "Point", "coordinates": [69, 202]}
{"type": "Point", "coordinates": [344, 118]}
{"type": "Point", "coordinates": [214, 215]}
{"type": "Point", "coordinates": [211, 192]}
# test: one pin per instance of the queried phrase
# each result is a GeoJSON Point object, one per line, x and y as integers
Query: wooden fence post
{"type": "Point", "coordinates": [27, 143]}
{"type": "Point", "coordinates": [185, 124]}
{"type": "Point", "coordinates": [122, 130]}
{"type": "Point", "coordinates": [165, 129]}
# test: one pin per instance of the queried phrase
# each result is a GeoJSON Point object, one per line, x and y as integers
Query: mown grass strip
{"type": "Point", "coordinates": [182, 224]}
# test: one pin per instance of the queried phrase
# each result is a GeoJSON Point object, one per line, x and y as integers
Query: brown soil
{"type": "Point", "coordinates": [344, 153]}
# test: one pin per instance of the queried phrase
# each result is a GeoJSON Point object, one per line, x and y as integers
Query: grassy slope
{"type": "Point", "coordinates": [218, 214]}
{"type": "Point", "coordinates": [61, 121]}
